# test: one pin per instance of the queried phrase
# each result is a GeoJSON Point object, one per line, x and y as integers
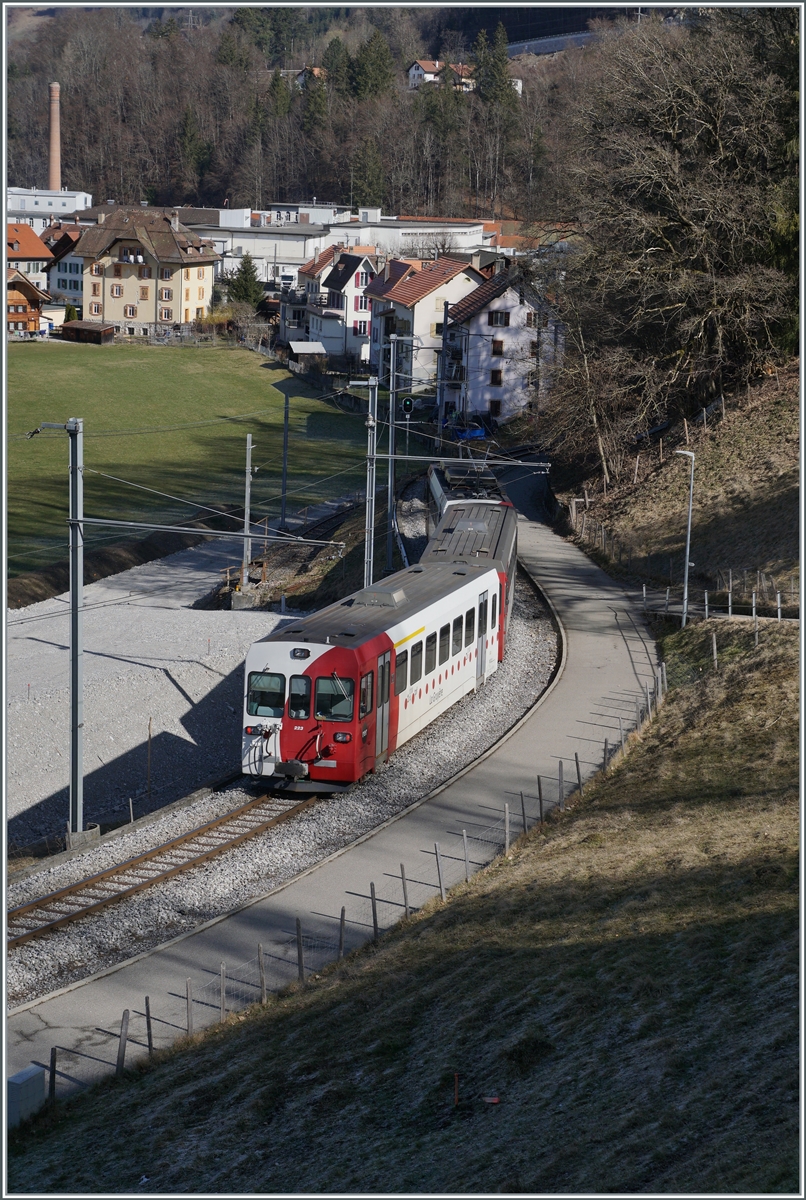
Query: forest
{"type": "Point", "coordinates": [670, 146]}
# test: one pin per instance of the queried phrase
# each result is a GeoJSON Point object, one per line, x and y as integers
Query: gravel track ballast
{"type": "Point", "coordinates": [152, 917]}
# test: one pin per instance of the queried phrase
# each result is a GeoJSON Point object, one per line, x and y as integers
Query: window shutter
{"type": "Point", "coordinates": [489, 318]}
{"type": "Point", "coordinates": [355, 303]}
{"type": "Point", "coordinates": [357, 279]}
{"type": "Point", "coordinates": [506, 318]}
{"type": "Point", "coordinates": [355, 327]}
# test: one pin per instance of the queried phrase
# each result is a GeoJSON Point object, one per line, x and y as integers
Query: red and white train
{"type": "Point", "coordinates": [330, 696]}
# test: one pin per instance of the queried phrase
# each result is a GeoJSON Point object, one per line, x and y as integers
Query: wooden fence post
{"type": "Point", "coordinates": [467, 856]}
{"type": "Point", "coordinates": [406, 911]}
{"type": "Point", "coordinates": [223, 992]}
{"type": "Point", "coordinates": [621, 733]}
{"type": "Point", "coordinates": [52, 1076]}
{"type": "Point", "coordinates": [506, 829]}
{"type": "Point", "coordinates": [523, 812]}
{"type": "Point", "coordinates": [579, 772]}
{"type": "Point", "coordinates": [606, 756]}
{"type": "Point", "coordinates": [189, 1003]}
{"type": "Point", "coordinates": [149, 1033]}
{"type": "Point", "coordinates": [261, 966]}
{"type": "Point", "coordinates": [342, 922]}
{"type": "Point", "coordinates": [560, 784]}
{"type": "Point", "coordinates": [713, 644]}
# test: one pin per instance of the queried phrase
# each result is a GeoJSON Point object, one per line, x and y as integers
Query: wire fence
{"type": "Point", "coordinates": [189, 1006]}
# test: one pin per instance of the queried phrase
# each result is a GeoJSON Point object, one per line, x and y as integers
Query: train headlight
{"type": "Point", "coordinates": [342, 737]}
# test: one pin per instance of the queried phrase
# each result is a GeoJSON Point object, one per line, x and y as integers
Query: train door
{"type": "Point", "coordinates": [481, 639]}
{"type": "Point", "coordinates": [382, 710]}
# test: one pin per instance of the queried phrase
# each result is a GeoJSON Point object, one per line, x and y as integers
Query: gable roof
{"type": "Point", "coordinates": [491, 289]}
{"type": "Point", "coordinates": [345, 268]}
{"type": "Point", "coordinates": [15, 278]}
{"type": "Point", "coordinates": [27, 242]}
{"type": "Point", "coordinates": [315, 266]}
{"type": "Point", "coordinates": [152, 228]}
{"type": "Point", "coordinates": [418, 280]}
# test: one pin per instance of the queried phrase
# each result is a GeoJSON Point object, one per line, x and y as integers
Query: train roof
{"type": "Point", "coordinates": [473, 532]}
{"type": "Point", "coordinates": [467, 480]}
{"type": "Point", "coordinates": [365, 614]}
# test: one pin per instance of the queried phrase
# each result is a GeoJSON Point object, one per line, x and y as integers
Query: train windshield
{"type": "Point", "coordinates": [334, 699]}
{"type": "Point", "coordinates": [266, 694]}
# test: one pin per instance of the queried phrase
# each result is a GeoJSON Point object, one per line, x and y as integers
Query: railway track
{"type": "Point", "coordinates": [42, 916]}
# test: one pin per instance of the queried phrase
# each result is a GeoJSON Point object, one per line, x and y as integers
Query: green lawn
{"type": "Point", "coordinates": [171, 419]}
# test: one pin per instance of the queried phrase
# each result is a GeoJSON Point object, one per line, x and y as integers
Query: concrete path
{"type": "Point", "coordinates": [609, 659]}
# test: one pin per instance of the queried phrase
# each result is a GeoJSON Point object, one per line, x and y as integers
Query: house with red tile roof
{"type": "Point", "coordinates": [408, 298]}
{"type": "Point", "coordinates": [28, 254]}
{"type": "Point", "coordinates": [504, 342]}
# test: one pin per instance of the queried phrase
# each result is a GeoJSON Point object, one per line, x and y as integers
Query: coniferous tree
{"type": "Point", "coordinates": [244, 286]}
{"type": "Point", "coordinates": [314, 113]}
{"type": "Point", "coordinates": [279, 95]}
{"type": "Point", "coordinates": [368, 178]}
{"type": "Point", "coordinates": [70, 313]}
{"type": "Point", "coordinates": [336, 61]}
{"type": "Point", "coordinates": [373, 67]}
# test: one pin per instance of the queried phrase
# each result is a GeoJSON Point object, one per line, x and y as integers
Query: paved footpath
{"type": "Point", "coordinates": [609, 658]}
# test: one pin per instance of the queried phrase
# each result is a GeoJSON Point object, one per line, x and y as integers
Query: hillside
{"type": "Point", "coordinates": [746, 491]}
{"type": "Point", "coordinates": [625, 985]}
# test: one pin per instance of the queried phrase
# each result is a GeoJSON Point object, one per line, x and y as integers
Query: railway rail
{"type": "Point", "coordinates": [42, 916]}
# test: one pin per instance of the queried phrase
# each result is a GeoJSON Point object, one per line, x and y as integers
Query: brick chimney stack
{"type": "Point", "coordinates": [55, 155]}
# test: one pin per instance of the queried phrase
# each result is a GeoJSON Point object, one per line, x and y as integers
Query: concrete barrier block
{"type": "Point", "coordinates": [25, 1093]}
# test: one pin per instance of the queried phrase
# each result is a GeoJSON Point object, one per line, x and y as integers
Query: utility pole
{"type": "Point", "coordinates": [442, 370]}
{"type": "Point", "coordinates": [390, 490]}
{"type": "Point", "coordinates": [75, 429]}
{"type": "Point", "coordinates": [247, 544]}
{"type": "Point", "coordinates": [284, 486]}
{"type": "Point", "coordinates": [372, 432]}
{"type": "Point", "coordinates": [688, 454]}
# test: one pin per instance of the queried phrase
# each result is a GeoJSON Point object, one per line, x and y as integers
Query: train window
{"type": "Point", "coordinates": [365, 697]}
{"type": "Point", "coordinates": [470, 627]}
{"type": "Point", "coordinates": [416, 663]}
{"type": "Point", "coordinates": [482, 618]}
{"type": "Point", "coordinates": [430, 653]}
{"type": "Point", "coordinates": [494, 611]}
{"type": "Point", "coordinates": [401, 672]}
{"type": "Point", "coordinates": [299, 697]}
{"type": "Point", "coordinates": [444, 644]}
{"type": "Point", "coordinates": [334, 698]}
{"type": "Point", "coordinates": [266, 694]}
{"type": "Point", "coordinates": [456, 645]}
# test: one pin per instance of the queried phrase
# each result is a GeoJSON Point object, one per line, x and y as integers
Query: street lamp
{"type": "Point", "coordinates": [688, 454]}
{"type": "Point", "coordinates": [372, 433]}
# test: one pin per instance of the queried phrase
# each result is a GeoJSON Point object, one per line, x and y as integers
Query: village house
{"type": "Point", "coordinates": [408, 298]}
{"type": "Point", "coordinates": [144, 271]}
{"type": "Point", "coordinates": [66, 270]}
{"type": "Point", "coordinates": [24, 301]}
{"type": "Point", "coordinates": [427, 70]}
{"type": "Point", "coordinates": [28, 254]}
{"type": "Point", "coordinates": [503, 343]}
{"type": "Point", "coordinates": [340, 316]}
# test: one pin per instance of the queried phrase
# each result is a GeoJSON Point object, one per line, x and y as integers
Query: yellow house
{"type": "Point", "coordinates": [144, 271]}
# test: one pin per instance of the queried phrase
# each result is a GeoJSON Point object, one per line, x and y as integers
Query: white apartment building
{"type": "Point", "coordinates": [408, 298]}
{"type": "Point", "coordinates": [37, 206]}
{"type": "Point", "coordinates": [503, 345]}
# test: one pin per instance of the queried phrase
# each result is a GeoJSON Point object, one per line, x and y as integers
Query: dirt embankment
{"type": "Point", "coordinates": [746, 491]}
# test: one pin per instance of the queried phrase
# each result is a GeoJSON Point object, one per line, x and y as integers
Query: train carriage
{"type": "Point", "coordinates": [476, 531]}
{"type": "Point", "coordinates": [331, 696]}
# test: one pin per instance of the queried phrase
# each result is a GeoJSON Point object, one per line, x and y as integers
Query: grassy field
{"type": "Point", "coordinates": [171, 419]}
{"type": "Point", "coordinates": [625, 984]}
{"type": "Point", "coordinates": [746, 491]}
